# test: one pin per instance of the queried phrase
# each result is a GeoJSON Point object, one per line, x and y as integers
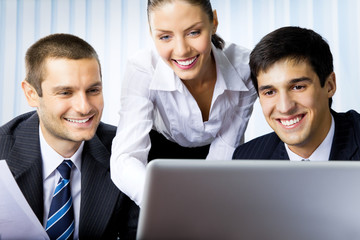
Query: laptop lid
{"type": "Point", "coordinates": [197, 199]}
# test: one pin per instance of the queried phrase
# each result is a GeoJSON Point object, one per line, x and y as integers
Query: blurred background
{"type": "Point", "coordinates": [118, 28]}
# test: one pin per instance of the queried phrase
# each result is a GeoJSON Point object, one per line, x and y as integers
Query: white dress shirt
{"type": "Point", "coordinates": [51, 160]}
{"type": "Point", "coordinates": [153, 97]}
{"type": "Point", "coordinates": [321, 153]}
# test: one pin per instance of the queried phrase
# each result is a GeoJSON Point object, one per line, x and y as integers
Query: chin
{"type": "Point", "coordinates": [83, 137]}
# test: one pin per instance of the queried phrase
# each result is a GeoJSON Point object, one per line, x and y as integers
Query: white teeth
{"type": "Point", "coordinates": [290, 122]}
{"type": "Point", "coordinates": [78, 121]}
{"type": "Point", "coordinates": [187, 62]}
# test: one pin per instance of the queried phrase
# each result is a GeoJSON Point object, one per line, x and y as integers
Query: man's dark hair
{"type": "Point", "coordinates": [296, 44]}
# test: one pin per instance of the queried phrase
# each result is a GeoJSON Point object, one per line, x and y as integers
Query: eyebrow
{"type": "Point", "coordinates": [62, 88]}
{"type": "Point", "coordinates": [302, 79]}
{"type": "Point", "coordinates": [187, 29]}
{"type": "Point", "coordinates": [291, 82]}
{"type": "Point", "coordinates": [265, 87]}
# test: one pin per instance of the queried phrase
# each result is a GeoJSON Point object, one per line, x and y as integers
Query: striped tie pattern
{"type": "Point", "coordinates": [60, 223]}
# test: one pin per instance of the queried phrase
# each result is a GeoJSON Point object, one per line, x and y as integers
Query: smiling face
{"type": "Point", "coordinates": [295, 105]}
{"type": "Point", "coordinates": [71, 106]}
{"type": "Point", "coordinates": [182, 36]}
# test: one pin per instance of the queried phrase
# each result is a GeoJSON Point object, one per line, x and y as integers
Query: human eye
{"type": "Point", "coordinates": [194, 33]}
{"type": "Point", "coordinates": [64, 93]}
{"type": "Point", "coordinates": [298, 87]}
{"type": "Point", "coordinates": [164, 37]}
{"type": "Point", "coordinates": [95, 90]}
{"type": "Point", "coordinates": [268, 93]}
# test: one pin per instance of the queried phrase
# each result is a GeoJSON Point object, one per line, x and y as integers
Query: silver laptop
{"type": "Point", "coordinates": [197, 199]}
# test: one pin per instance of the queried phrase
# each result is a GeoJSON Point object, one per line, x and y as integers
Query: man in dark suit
{"type": "Point", "coordinates": [63, 82]}
{"type": "Point", "coordinates": [292, 70]}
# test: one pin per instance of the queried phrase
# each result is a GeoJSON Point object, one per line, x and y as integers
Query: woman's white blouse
{"type": "Point", "coordinates": [153, 97]}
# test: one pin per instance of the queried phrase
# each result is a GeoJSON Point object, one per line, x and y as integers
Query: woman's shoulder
{"type": "Point", "coordinates": [144, 59]}
{"type": "Point", "coordinates": [236, 54]}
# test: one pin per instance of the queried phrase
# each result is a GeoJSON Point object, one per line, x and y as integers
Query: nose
{"type": "Point", "coordinates": [82, 104]}
{"type": "Point", "coordinates": [181, 47]}
{"type": "Point", "coordinates": [285, 103]}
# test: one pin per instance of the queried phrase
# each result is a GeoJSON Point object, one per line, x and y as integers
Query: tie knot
{"type": "Point", "coordinates": [65, 169]}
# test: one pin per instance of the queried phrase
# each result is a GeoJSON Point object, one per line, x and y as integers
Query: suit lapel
{"type": "Point", "coordinates": [25, 164]}
{"type": "Point", "coordinates": [279, 152]}
{"type": "Point", "coordinates": [343, 146]}
{"type": "Point", "coordinates": [98, 193]}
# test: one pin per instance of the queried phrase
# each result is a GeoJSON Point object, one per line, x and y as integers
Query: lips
{"type": "Point", "coordinates": [187, 63]}
{"type": "Point", "coordinates": [291, 122]}
{"type": "Point", "coordinates": [78, 120]}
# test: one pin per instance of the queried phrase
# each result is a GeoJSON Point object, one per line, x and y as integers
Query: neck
{"type": "Point", "coordinates": [206, 76]}
{"type": "Point", "coordinates": [202, 88]}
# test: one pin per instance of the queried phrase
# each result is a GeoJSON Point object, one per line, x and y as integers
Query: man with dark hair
{"type": "Point", "coordinates": [59, 154]}
{"type": "Point", "coordinates": [292, 70]}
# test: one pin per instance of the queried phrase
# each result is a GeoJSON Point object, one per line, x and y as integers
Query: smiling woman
{"type": "Point", "coordinates": [182, 33]}
{"type": "Point", "coordinates": [193, 94]}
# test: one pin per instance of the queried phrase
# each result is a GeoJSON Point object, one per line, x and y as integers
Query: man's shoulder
{"type": "Point", "coordinates": [351, 117]}
{"type": "Point", "coordinates": [105, 128]}
{"type": "Point", "coordinates": [258, 148]}
{"type": "Point", "coordinates": [354, 118]}
{"type": "Point", "coordinates": [11, 127]}
{"type": "Point", "coordinates": [18, 127]}
{"type": "Point", "coordinates": [106, 133]}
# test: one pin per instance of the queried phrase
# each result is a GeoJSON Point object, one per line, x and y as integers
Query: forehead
{"type": "Point", "coordinates": [175, 13]}
{"type": "Point", "coordinates": [70, 65]}
{"type": "Point", "coordinates": [66, 71]}
{"type": "Point", "coordinates": [284, 71]}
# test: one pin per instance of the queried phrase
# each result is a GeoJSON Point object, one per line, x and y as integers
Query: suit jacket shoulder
{"type": "Point", "coordinates": [268, 146]}
{"type": "Point", "coordinates": [106, 133]}
{"type": "Point", "coordinates": [346, 142]}
{"type": "Point", "coordinates": [9, 132]}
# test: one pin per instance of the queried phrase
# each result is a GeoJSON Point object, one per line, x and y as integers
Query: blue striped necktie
{"type": "Point", "coordinates": [60, 223]}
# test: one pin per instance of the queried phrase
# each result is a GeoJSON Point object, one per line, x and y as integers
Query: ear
{"type": "Point", "coordinates": [215, 22]}
{"type": "Point", "coordinates": [30, 93]}
{"type": "Point", "coordinates": [331, 84]}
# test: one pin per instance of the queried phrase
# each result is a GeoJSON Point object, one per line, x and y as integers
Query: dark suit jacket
{"type": "Point", "coordinates": [105, 212]}
{"type": "Point", "coordinates": [345, 145]}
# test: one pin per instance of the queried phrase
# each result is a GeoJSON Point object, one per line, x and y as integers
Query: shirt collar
{"type": "Point", "coordinates": [164, 78]}
{"type": "Point", "coordinates": [322, 153]}
{"type": "Point", "coordinates": [51, 159]}
{"type": "Point", "coordinates": [227, 75]}
{"type": "Point", "coordinates": [228, 78]}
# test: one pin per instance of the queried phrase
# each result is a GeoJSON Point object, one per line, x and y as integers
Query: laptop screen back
{"type": "Point", "coordinates": [197, 199]}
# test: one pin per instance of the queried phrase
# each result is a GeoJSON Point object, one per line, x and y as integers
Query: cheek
{"type": "Point", "coordinates": [310, 100]}
{"type": "Point", "coordinates": [164, 50]}
{"type": "Point", "coordinates": [100, 106]}
{"type": "Point", "coordinates": [50, 106]}
{"type": "Point", "coordinates": [266, 106]}
{"type": "Point", "coordinates": [203, 45]}
{"type": "Point", "coordinates": [98, 103]}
